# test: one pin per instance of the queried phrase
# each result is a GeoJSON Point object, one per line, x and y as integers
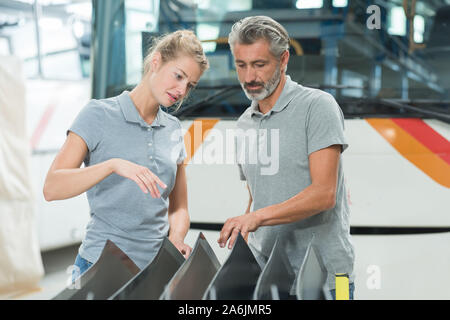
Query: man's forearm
{"type": "Point", "coordinates": [250, 200]}
{"type": "Point", "coordinates": [312, 200]}
{"type": "Point", "coordinates": [249, 206]}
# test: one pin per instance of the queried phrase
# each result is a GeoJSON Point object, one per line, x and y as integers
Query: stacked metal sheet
{"type": "Point", "coordinates": [193, 277]}
{"type": "Point", "coordinates": [112, 270]}
{"type": "Point", "coordinates": [170, 277]}
{"type": "Point", "coordinates": [311, 278]}
{"type": "Point", "coordinates": [236, 279]}
{"type": "Point", "coordinates": [277, 276]}
{"type": "Point", "coordinates": [149, 284]}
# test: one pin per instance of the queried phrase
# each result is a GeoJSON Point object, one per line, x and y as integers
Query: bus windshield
{"type": "Point", "coordinates": [387, 59]}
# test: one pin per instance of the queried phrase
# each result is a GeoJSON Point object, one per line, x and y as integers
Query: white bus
{"type": "Point", "coordinates": [392, 81]}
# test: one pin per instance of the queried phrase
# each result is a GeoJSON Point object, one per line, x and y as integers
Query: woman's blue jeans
{"type": "Point", "coordinates": [80, 266]}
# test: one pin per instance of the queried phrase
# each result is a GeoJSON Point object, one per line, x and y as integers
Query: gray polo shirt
{"type": "Point", "coordinates": [302, 121]}
{"type": "Point", "coordinates": [120, 211]}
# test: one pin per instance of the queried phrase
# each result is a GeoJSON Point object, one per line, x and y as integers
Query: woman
{"type": "Point", "coordinates": [133, 154]}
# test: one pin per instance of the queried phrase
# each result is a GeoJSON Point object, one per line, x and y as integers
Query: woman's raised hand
{"type": "Point", "coordinates": [145, 179]}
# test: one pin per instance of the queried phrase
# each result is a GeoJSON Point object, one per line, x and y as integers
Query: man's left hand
{"type": "Point", "coordinates": [244, 224]}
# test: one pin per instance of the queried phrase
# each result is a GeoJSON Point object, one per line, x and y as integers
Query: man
{"type": "Point", "coordinates": [305, 197]}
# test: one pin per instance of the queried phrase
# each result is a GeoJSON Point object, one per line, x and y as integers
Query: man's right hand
{"type": "Point", "coordinates": [144, 178]}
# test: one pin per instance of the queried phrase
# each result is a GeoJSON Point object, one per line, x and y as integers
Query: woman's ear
{"type": "Point", "coordinates": [156, 61]}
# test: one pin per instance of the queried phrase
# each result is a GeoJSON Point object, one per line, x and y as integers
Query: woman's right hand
{"type": "Point", "coordinates": [145, 179]}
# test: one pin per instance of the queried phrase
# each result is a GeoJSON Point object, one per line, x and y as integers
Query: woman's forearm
{"type": "Point", "coordinates": [179, 224]}
{"type": "Point", "coordinates": [67, 183]}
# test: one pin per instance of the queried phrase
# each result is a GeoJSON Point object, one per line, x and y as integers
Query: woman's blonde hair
{"type": "Point", "coordinates": [173, 45]}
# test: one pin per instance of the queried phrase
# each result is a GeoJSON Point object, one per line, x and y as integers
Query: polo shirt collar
{"type": "Point", "coordinates": [287, 94]}
{"type": "Point", "coordinates": [131, 114]}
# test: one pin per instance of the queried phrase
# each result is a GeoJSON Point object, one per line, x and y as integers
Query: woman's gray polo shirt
{"type": "Point", "coordinates": [120, 211]}
{"type": "Point", "coordinates": [302, 121]}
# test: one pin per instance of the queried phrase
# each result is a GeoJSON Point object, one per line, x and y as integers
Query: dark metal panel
{"type": "Point", "coordinates": [311, 278]}
{"type": "Point", "coordinates": [236, 279]}
{"type": "Point", "coordinates": [151, 281]}
{"type": "Point", "coordinates": [193, 277]}
{"type": "Point", "coordinates": [277, 276]}
{"type": "Point", "coordinates": [112, 270]}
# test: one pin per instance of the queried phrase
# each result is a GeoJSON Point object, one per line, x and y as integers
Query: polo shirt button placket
{"type": "Point", "coordinates": [260, 129]}
{"type": "Point", "coordinates": [150, 144]}
{"type": "Point", "coordinates": [260, 139]}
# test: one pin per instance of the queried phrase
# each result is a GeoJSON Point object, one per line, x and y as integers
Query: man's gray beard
{"type": "Point", "coordinates": [268, 88]}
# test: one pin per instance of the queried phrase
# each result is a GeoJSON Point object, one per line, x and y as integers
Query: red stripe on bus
{"type": "Point", "coordinates": [426, 135]}
{"type": "Point", "coordinates": [42, 125]}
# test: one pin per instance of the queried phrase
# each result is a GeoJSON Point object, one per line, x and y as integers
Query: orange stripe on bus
{"type": "Point", "coordinates": [410, 148]}
{"type": "Point", "coordinates": [427, 136]}
{"type": "Point", "coordinates": [196, 134]}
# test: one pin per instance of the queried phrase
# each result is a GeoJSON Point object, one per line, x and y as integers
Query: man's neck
{"type": "Point", "coordinates": [267, 104]}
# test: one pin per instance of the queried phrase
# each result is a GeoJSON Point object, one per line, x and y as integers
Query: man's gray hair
{"type": "Point", "coordinates": [251, 29]}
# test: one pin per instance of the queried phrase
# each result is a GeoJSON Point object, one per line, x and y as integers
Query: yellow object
{"type": "Point", "coordinates": [342, 286]}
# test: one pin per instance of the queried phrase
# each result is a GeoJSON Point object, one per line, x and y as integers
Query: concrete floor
{"type": "Point", "coordinates": [56, 263]}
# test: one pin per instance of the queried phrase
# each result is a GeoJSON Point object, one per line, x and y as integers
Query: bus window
{"type": "Point", "coordinates": [370, 71]}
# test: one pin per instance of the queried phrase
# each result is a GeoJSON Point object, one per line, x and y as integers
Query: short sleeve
{"type": "Point", "coordinates": [237, 154]}
{"type": "Point", "coordinates": [325, 124]}
{"type": "Point", "coordinates": [182, 154]}
{"type": "Point", "coordinates": [88, 124]}
{"type": "Point", "coordinates": [241, 173]}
